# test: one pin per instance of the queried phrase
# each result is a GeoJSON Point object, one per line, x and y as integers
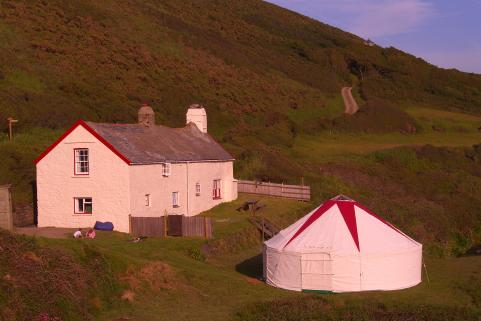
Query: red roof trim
{"type": "Point", "coordinates": [321, 210]}
{"type": "Point", "coordinates": [91, 131]}
{"type": "Point", "coordinates": [347, 211]}
{"type": "Point", "coordinates": [349, 215]}
{"type": "Point", "coordinates": [382, 220]}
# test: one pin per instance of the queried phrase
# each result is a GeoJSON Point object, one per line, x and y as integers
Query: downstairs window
{"type": "Point", "coordinates": [83, 205]}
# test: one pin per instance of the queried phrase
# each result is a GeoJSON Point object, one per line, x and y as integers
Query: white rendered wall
{"type": "Point", "coordinates": [107, 184]}
{"type": "Point", "coordinates": [148, 179]}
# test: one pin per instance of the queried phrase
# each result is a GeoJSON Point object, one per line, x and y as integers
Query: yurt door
{"type": "Point", "coordinates": [316, 271]}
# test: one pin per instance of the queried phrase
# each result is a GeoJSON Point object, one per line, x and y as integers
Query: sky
{"type": "Point", "coordinates": [446, 33]}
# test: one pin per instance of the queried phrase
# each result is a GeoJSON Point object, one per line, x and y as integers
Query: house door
{"type": "Point", "coordinates": [174, 225]}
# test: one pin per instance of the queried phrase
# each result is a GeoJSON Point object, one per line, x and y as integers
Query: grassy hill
{"type": "Point", "coordinates": [254, 65]}
{"type": "Point", "coordinates": [169, 278]}
{"type": "Point", "coordinates": [271, 82]}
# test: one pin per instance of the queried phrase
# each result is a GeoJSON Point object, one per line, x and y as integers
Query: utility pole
{"type": "Point", "coordinates": [10, 122]}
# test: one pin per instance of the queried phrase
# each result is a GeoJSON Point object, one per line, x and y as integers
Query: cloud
{"type": "Point", "coordinates": [366, 18]}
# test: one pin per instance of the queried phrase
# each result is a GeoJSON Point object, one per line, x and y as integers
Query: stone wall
{"type": "Point", "coordinates": [5, 208]}
{"type": "Point", "coordinates": [23, 215]}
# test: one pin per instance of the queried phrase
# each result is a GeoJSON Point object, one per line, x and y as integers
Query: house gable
{"type": "Point", "coordinates": [91, 131]}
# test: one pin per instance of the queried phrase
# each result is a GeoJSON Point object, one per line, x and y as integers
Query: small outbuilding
{"type": "Point", "coordinates": [341, 246]}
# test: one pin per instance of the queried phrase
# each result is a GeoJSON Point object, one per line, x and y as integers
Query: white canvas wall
{"type": "Point", "coordinates": [325, 256]}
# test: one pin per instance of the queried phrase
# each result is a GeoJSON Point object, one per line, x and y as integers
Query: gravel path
{"type": "Point", "coordinates": [50, 232]}
{"type": "Point", "coordinates": [350, 105]}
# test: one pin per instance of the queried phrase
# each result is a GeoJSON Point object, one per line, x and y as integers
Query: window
{"type": "Point", "coordinates": [216, 189]}
{"type": "Point", "coordinates": [197, 189]}
{"type": "Point", "coordinates": [147, 200]}
{"type": "Point", "coordinates": [83, 205]}
{"type": "Point", "coordinates": [166, 169]}
{"type": "Point", "coordinates": [81, 166]}
{"type": "Point", "coordinates": [175, 199]}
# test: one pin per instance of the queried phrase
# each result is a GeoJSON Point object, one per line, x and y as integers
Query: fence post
{"type": "Point", "coordinates": [302, 187]}
{"type": "Point", "coordinates": [165, 223]}
{"type": "Point", "coordinates": [130, 224]}
{"type": "Point", "coordinates": [262, 230]}
{"type": "Point", "coordinates": [205, 227]}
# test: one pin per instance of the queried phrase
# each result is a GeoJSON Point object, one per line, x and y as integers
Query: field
{"type": "Point", "coordinates": [171, 279]}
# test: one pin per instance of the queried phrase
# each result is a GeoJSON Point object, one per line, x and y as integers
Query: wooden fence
{"type": "Point", "coordinates": [167, 226]}
{"type": "Point", "coordinates": [298, 192]}
{"type": "Point", "coordinates": [6, 219]}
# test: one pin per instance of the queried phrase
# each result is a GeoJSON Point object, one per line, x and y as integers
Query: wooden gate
{"type": "Point", "coordinates": [174, 227]}
{"type": "Point", "coordinates": [6, 218]}
{"type": "Point", "coordinates": [147, 226]}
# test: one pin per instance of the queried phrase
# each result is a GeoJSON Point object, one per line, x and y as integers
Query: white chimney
{"type": "Point", "coordinates": [196, 114]}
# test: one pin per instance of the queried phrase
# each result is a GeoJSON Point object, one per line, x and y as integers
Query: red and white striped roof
{"type": "Point", "coordinates": [342, 226]}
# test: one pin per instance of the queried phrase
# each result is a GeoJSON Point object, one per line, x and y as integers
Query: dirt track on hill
{"type": "Point", "coordinates": [350, 105]}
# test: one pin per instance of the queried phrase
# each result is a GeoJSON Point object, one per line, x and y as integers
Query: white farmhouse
{"type": "Point", "coordinates": [106, 172]}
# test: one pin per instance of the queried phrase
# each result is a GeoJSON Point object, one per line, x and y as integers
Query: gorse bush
{"type": "Point", "coordinates": [50, 284]}
{"type": "Point", "coordinates": [318, 308]}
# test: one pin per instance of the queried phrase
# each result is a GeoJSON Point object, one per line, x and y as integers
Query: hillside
{"type": "Point", "coordinates": [271, 82]}
{"type": "Point", "coordinates": [111, 279]}
{"type": "Point", "coordinates": [253, 64]}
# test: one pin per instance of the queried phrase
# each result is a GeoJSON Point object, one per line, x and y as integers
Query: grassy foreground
{"type": "Point", "coordinates": [166, 279]}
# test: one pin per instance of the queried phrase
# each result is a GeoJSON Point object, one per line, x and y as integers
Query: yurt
{"type": "Point", "coordinates": [341, 246]}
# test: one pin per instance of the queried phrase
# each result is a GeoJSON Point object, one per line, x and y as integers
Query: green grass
{"type": "Point", "coordinates": [330, 146]}
{"type": "Point", "coordinates": [220, 287]}
{"type": "Point", "coordinates": [442, 120]}
{"type": "Point", "coordinates": [24, 81]}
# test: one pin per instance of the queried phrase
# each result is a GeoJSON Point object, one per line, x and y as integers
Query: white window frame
{"type": "Point", "coordinates": [197, 189]}
{"type": "Point", "coordinates": [166, 169]}
{"type": "Point", "coordinates": [175, 199]}
{"type": "Point", "coordinates": [80, 204]}
{"type": "Point", "coordinates": [148, 202]}
{"type": "Point", "coordinates": [81, 162]}
{"type": "Point", "coordinates": [217, 189]}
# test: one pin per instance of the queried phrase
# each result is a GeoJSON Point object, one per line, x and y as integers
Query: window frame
{"type": "Point", "coordinates": [217, 189]}
{"type": "Point", "coordinates": [197, 189]}
{"type": "Point", "coordinates": [166, 169]}
{"type": "Point", "coordinates": [175, 200]}
{"type": "Point", "coordinates": [77, 173]}
{"type": "Point", "coordinates": [76, 207]}
{"type": "Point", "coordinates": [148, 201]}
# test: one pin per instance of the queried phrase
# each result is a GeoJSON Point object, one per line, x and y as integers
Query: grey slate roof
{"type": "Point", "coordinates": [157, 144]}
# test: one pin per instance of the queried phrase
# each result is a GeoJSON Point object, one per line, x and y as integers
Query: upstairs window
{"type": "Point", "coordinates": [197, 189]}
{"type": "Point", "coordinates": [147, 200]}
{"type": "Point", "coordinates": [175, 199]}
{"type": "Point", "coordinates": [81, 166]}
{"type": "Point", "coordinates": [216, 189]}
{"type": "Point", "coordinates": [83, 205]}
{"type": "Point", "coordinates": [166, 169]}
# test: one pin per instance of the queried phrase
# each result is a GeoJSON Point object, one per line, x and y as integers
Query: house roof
{"type": "Point", "coordinates": [157, 144]}
{"type": "Point", "coordinates": [138, 144]}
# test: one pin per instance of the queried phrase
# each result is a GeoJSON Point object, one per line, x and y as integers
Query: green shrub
{"type": "Point", "coordinates": [196, 254]}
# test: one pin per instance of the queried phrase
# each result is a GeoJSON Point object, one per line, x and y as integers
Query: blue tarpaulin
{"type": "Point", "coordinates": [104, 226]}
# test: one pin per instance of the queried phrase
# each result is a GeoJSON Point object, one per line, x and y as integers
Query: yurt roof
{"type": "Point", "coordinates": [336, 226]}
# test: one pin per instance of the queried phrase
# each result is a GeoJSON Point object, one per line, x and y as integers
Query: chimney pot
{"type": "Point", "coordinates": [196, 114]}
{"type": "Point", "coordinates": [146, 115]}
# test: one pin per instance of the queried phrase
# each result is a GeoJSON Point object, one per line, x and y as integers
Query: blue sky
{"type": "Point", "coordinates": [447, 33]}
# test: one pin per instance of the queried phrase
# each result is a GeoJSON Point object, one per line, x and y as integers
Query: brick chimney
{"type": "Point", "coordinates": [146, 116]}
{"type": "Point", "coordinates": [196, 114]}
